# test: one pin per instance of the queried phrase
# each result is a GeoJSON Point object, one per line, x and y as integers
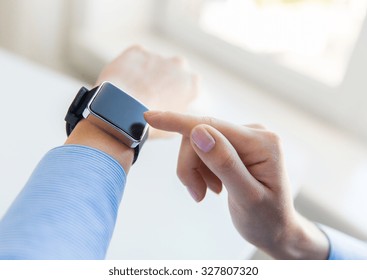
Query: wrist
{"type": "Point", "coordinates": [88, 134]}
{"type": "Point", "coordinates": [301, 240]}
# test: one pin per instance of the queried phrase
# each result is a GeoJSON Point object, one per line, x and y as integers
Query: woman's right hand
{"type": "Point", "coordinates": [248, 161]}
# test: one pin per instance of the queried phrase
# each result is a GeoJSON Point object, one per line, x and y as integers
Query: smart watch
{"type": "Point", "coordinates": [114, 111]}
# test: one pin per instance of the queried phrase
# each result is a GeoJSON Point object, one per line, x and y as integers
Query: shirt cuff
{"type": "Point", "coordinates": [343, 246]}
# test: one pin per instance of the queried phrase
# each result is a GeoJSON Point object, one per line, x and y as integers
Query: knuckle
{"type": "Point", "coordinates": [273, 137]}
{"type": "Point", "coordinates": [137, 47]}
{"type": "Point", "coordinates": [273, 144]}
{"type": "Point", "coordinates": [184, 172]}
{"type": "Point", "coordinates": [179, 60]}
{"type": "Point", "coordinates": [227, 163]}
{"type": "Point", "coordinates": [208, 121]}
{"type": "Point", "coordinates": [181, 172]}
{"type": "Point", "coordinates": [257, 126]}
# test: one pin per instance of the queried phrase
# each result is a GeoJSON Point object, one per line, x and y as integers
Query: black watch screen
{"type": "Point", "coordinates": [120, 110]}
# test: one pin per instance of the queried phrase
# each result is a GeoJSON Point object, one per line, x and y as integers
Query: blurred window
{"type": "Point", "coordinates": [313, 52]}
{"type": "Point", "coordinates": [314, 37]}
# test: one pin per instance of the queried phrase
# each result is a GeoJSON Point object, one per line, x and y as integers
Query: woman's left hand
{"type": "Point", "coordinates": [160, 83]}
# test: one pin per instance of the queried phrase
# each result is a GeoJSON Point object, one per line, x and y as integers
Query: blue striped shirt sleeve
{"type": "Point", "coordinates": [67, 209]}
{"type": "Point", "coordinates": [344, 247]}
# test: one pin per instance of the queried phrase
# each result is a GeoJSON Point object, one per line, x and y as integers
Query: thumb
{"type": "Point", "coordinates": [218, 154]}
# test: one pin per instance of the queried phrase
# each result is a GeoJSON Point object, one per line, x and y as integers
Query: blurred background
{"type": "Point", "coordinates": [311, 52]}
{"type": "Point", "coordinates": [298, 66]}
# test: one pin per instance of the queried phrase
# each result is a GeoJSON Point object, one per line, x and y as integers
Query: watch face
{"type": "Point", "coordinates": [120, 110]}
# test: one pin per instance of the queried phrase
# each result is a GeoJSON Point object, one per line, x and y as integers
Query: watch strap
{"type": "Point", "coordinates": [75, 111]}
{"type": "Point", "coordinates": [137, 148]}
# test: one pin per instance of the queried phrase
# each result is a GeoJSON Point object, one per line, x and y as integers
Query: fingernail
{"type": "Point", "coordinates": [193, 194]}
{"type": "Point", "coordinates": [216, 190]}
{"type": "Point", "coordinates": [202, 139]}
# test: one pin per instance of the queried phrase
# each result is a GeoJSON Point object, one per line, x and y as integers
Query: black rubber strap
{"type": "Point", "coordinates": [75, 114]}
{"type": "Point", "coordinates": [137, 148]}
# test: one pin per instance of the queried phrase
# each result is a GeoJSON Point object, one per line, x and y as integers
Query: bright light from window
{"type": "Point", "coordinates": [314, 37]}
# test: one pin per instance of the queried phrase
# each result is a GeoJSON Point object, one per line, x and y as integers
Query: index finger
{"type": "Point", "coordinates": [183, 124]}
